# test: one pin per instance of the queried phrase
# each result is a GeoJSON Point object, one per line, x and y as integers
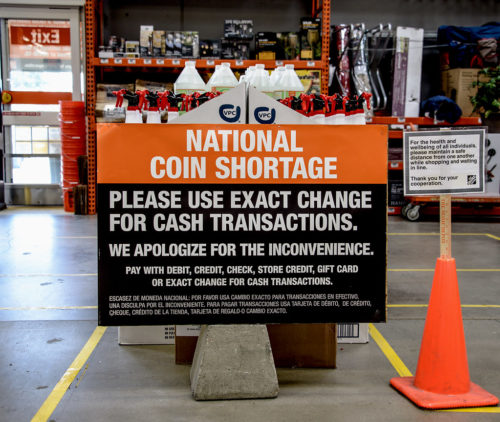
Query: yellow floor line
{"type": "Point", "coordinates": [44, 308]}
{"type": "Point", "coordinates": [403, 371]}
{"type": "Point", "coordinates": [389, 352]}
{"type": "Point", "coordinates": [474, 410]}
{"type": "Point", "coordinates": [62, 386]}
{"type": "Point", "coordinates": [492, 236]}
{"type": "Point", "coordinates": [50, 275]}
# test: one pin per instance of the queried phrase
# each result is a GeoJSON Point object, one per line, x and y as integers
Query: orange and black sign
{"type": "Point", "coordinates": [202, 224]}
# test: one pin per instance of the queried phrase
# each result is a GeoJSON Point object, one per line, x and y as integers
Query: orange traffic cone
{"type": "Point", "coordinates": [442, 377]}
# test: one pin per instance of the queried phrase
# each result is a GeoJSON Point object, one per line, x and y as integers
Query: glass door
{"type": "Point", "coordinates": [41, 64]}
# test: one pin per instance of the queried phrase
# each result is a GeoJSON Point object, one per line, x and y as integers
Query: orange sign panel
{"type": "Point", "coordinates": [290, 154]}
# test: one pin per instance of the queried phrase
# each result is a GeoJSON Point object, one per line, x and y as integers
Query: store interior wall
{"type": "Point", "coordinates": [123, 18]}
{"type": "Point", "coordinates": [427, 14]}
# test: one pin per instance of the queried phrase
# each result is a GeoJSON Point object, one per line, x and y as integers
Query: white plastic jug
{"type": "Point", "coordinates": [213, 78]}
{"type": "Point", "coordinates": [261, 81]}
{"type": "Point", "coordinates": [276, 82]}
{"type": "Point", "coordinates": [189, 81]}
{"type": "Point", "coordinates": [290, 82]}
{"type": "Point", "coordinates": [223, 78]}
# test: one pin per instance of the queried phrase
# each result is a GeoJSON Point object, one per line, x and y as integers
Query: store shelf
{"type": "Point", "coordinates": [94, 29]}
{"type": "Point", "coordinates": [469, 198]}
{"type": "Point", "coordinates": [395, 134]}
{"type": "Point", "coordinates": [202, 63]}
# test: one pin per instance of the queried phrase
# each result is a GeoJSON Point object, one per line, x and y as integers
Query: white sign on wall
{"type": "Point", "coordinates": [448, 161]}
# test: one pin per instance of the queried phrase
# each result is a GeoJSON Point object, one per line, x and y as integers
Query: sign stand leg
{"type": "Point", "coordinates": [233, 362]}
{"type": "Point", "coordinates": [445, 225]}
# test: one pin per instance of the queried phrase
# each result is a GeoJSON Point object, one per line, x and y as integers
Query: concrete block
{"type": "Point", "coordinates": [233, 362]}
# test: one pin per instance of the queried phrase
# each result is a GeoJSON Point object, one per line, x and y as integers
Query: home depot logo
{"type": "Point", "coordinates": [229, 113]}
{"type": "Point", "coordinates": [264, 115]}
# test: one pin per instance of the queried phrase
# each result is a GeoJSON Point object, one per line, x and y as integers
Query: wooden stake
{"type": "Point", "coordinates": [445, 225]}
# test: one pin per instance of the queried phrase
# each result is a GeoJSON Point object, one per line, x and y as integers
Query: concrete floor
{"type": "Point", "coordinates": [48, 294]}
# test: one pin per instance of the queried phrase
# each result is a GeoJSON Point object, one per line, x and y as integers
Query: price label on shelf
{"type": "Point", "coordinates": [118, 61]}
{"type": "Point", "coordinates": [311, 64]}
{"type": "Point", "coordinates": [160, 61]}
{"type": "Point", "coordinates": [176, 62]}
{"type": "Point", "coordinates": [104, 61]}
{"type": "Point", "coordinates": [131, 61]}
{"type": "Point", "coordinates": [148, 61]}
{"type": "Point", "coordinates": [279, 63]}
{"type": "Point", "coordinates": [239, 62]}
{"type": "Point", "coordinates": [210, 62]}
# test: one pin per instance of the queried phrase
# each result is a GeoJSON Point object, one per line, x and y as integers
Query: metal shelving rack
{"type": "Point", "coordinates": [93, 8]}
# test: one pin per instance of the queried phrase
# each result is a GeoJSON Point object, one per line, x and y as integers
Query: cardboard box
{"type": "Point", "coordinates": [230, 107]}
{"type": "Point", "coordinates": [354, 332]}
{"type": "Point", "coordinates": [105, 111]}
{"type": "Point", "coordinates": [457, 85]}
{"type": "Point", "coordinates": [146, 40]}
{"type": "Point", "coordinates": [186, 337]}
{"type": "Point", "coordinates": [262, 109]}
{"type": "Point", "coordinates": [310, 39]}
{"type": "Point", "coordinates": [303, 345]}
{"type": "Point", "coordinates": [234, 49]}
{"type": "Point", "coordinates": [241, 50]}
{"type": "Point", "coordinates": [407, 75]}
{"type": "Point", "coordinates": [159, 43]}
{"type": "Point", "coordinates": [288, 46]}
{"type": "Point", "coordinates": [227, 49]}
{"type": "Point", "coordinates": [293, 345]}
{"type": "Point", "coordinates": [146, 334]}
{"type": "Point", "coordinates": [190, 44]}
{"type": "Point", "coordinates": [210, 49]}
{"type": "Point", "coordinates": [241, 29]}
{"type": "Point", "coordinates": [173, 44]}
{"type": "Point", "coordinates": [141, 85]}
{"type": "Point", "coordinates": [265, 45]}
{"type": "Point", "coordinates": [311, 79]}
{"type": "Point", "coordinates": [132, 49]}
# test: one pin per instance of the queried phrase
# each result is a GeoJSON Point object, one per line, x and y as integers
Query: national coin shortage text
{"type": "Point", "coordinates": [245, 141]}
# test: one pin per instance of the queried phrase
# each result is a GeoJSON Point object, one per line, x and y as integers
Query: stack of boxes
{"type": "Point", "coordinates": [457, 85]}
{"type": "Point", "coordinates": [238, 35]}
